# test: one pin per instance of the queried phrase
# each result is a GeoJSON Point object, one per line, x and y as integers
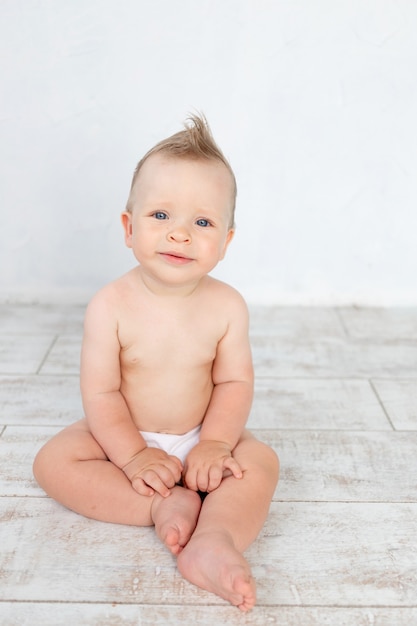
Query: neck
{"type": "Point", "coordinates": [160, 289]}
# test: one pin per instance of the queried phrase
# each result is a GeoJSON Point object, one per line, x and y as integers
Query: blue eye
{"type": "Point", "coordinates": [203, 222]}
{"type": "Point", "coordinates": [160, 215]}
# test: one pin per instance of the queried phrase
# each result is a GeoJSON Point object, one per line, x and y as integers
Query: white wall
{"type": "Point", "coordinates": [313, 101]}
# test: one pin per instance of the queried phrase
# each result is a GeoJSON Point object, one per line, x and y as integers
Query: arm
{"type": "Point", "coordinates": [228, 409]}
{"type": "Point", "coordinates": [106, 411]}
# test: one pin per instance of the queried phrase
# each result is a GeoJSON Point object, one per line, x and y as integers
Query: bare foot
{"type": "Point", "coordinates": [211, 561]}
{"type": "Point", "coordinates": [175, 517]}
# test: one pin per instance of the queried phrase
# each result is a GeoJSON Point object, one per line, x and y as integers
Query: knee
{"type": "Point", "coordinates": [48, 463]}
{"type": "Point", "coordinates": [41, 465]}
{"type": "Point", "coordinates": [270, 460]}
{"type": "Point", "coordinates": [261, 456]}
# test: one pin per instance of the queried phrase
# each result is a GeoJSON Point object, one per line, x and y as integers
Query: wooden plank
{"type": "Point", "coordinates": [338, 554]}
{"type": "Point", "coordinates": [62, 614]}
{"type": "Point", "coordinates": [41, 318]}
{"type": "Point", "coordinates": [383, 324]}
{"type": "Point", "coordinates": [333, 358]}
{"type": "Point", "coordinates": [18, 446]}
{"type": "Point", "coordinates": [23, 354]}
{"type": "Point", "coordinates": [400, 401]}
{"type": "Point", "coordinates": [312, 554]}
{"type": "Point", "coordinates": [40, 400]}
{"type": "Point", "coordinates": [295, 323]}
{"type": "Point", "coordinates": [345, 466]}
{"type": "Point", "coordinates": [316, 404]}
{"type": "Point", "coordinates": [64, 358]}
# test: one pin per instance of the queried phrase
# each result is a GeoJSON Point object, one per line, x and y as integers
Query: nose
{"type": "Point", "coordinates": [179, 234]}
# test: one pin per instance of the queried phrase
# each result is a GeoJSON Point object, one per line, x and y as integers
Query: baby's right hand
{"type": "Point", "coordinates": [153, 471]}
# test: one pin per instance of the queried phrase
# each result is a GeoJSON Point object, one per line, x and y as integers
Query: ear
{"type": "Point", "coordinates": [229, 238]}
{"type": "Point", "coordinates": [126, 218]}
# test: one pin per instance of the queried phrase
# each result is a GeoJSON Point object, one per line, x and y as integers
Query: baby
{"type": "Point", "coordinates": [167, 380]}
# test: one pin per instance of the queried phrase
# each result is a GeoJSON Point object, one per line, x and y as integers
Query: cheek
{"type": "Point", "coordinates": [218, 250]}
{"type": "Point", "coordinates": [141, 241]}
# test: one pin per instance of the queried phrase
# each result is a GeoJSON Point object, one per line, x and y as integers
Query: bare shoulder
{"type": "Point", "coordinates": [105, 303]}
{"type": "Point", "coordinates": [227, 298]}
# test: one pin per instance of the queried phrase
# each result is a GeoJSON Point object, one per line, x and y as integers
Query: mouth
{"type": "Point", "coordinates": [175, 258]}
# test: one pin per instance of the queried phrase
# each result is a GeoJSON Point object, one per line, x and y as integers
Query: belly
{"type": "Point", "coordinates": [167, 404]}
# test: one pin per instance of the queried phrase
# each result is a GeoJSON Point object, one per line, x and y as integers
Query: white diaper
{"type": "Point", "coordinates": [176, 445]}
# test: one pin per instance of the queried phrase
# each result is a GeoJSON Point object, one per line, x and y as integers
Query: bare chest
{"type": "Point", "coordinates": [166, 342]}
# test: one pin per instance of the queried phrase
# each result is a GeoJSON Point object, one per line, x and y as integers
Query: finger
{"type": "Point", "coordinates": [231, 464]}
{"type": "Point", "coordinates": [177, 462]}
{"type": "Point", "coordinates": [203, 481]}
{"type": "Point", "coordinates": [142, 488]}
{"type": "Point", "coordinates": [190, 479]}
{"type": "Point", "coordinates": [215, 478]}
{"type": "Point", "coordinates": [168, 475]}
{"type": "Point", "coordinates": [175, 467]}
{"type": "Point", "coordinates": [156, 483]}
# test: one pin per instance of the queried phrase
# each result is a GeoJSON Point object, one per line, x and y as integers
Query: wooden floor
{"type": "Point", "coordinates": [336, 396]}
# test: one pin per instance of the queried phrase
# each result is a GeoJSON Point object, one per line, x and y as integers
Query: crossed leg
{"type": "Point", "coordinates": [208, 539]}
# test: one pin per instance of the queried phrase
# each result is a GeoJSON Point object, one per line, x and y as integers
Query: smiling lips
{"type": "Point", "coordinates": [175, 258]}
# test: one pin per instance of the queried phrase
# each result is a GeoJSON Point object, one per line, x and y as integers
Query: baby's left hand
{"type": "Point", "coordinates": [207, 464]}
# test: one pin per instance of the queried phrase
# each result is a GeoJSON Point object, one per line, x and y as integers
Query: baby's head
{"type": "Point", "coordinates": [195, 142]}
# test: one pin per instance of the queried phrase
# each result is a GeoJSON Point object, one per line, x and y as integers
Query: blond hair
{"type": "Point", "coordinates": [194, 142]}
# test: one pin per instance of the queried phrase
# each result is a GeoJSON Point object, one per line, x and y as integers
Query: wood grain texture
{"type": "Point", "coordinates": [24, 354]}
{"type": "Point", "coordinates": [399, 399]}
{"type": "Point", "coordinates": [317, 404]}
{"type": "Point", "coordinates": [40, 400]}
{"type": "Point", "coordinates": [384, 325]}
{"type": "Point", "coordinates": [47, 614]}
{"type": "Point", "coordinates": [333, 358]}
{"type": "Point", "coordinates": [334, 554]}
{"type": "Point", "coordinates": [64, 356]}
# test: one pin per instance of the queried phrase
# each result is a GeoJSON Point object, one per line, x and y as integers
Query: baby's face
{"type": "Point", "coordinates": [180, 225]}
